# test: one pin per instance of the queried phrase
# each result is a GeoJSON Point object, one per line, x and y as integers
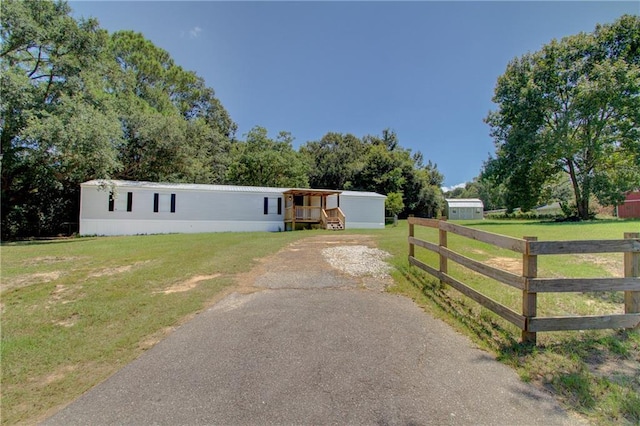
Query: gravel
{"type": "Point", "coordinates": [358, 260]}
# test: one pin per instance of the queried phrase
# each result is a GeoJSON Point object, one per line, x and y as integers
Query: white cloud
{"type": "Point", "coordinates": [451, 188]}
{"type": "Point", "coordinates": [195, 32]}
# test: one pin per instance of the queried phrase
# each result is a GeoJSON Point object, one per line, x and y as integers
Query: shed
{"type": "Point", "coordinates": [631, 206]}
{"type": "Point", "coordinates": [464, 208]}
{"type": "Point", "coordinates": [117, 207]}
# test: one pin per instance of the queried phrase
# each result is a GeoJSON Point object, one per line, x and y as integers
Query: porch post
{"type": "Point", "coordinates": [293, 213]}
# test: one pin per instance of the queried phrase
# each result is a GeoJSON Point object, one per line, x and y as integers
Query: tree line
{"type": "Point", "coordinates": [79, 103]}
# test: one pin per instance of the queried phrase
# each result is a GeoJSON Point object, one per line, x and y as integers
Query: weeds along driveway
{"type": "Point", "coordinates": [305, 342]}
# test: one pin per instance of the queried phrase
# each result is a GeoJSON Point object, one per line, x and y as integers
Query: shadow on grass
{"type": "Point", "coordinates": [64, 240]}
{"type": "Point", "coordinates": [584, 369]}
{"type": "Point", "coordinates": [483, 327]}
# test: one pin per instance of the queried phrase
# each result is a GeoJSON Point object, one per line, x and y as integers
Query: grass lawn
{"type": "Point", "coordinates": [75, 311]}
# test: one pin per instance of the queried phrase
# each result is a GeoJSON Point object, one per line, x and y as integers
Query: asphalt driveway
{"type": "Point", "coordinates": [314, 346]}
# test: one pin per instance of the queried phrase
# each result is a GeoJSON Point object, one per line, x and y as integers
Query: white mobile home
{"type": "Point", "coordinates": [114, 207]}
{"type": "Point", "coordinates": [464, 208]}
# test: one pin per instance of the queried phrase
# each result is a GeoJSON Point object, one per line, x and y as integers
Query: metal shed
{"type": "Point", "coordinates": [116, 207]}
{"type": "Point", "coordinates": [464, 208]}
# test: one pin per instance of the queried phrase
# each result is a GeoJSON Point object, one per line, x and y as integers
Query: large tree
{"type": "Point", "coordinates": [262, 161]}
{"type": "Point", "coordinates": [572, 107]}
{"type": "Point", "coordinates": [57, 126]}
{"type": "Point", "coordinates": [78, 104]}
{"type": "Point", "coordinates": [335, 160]}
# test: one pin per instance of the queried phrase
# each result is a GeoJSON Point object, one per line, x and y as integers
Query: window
{"type": "Point", "coordinates": [164, 203]}
{"type": "Point", "coordinates": [120, 203]}
{"type": "Point", "coordinates": [272, 205]}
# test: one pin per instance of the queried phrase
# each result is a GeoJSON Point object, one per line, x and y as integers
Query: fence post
{"type": "Point", "coordinates": [411, 234]}
{"type": "Point", "coordinates": [529, 300]}
{"type": "Point", "coordinates": [632, 270]}
{"type": "Point", "coordinates": [442, 242]}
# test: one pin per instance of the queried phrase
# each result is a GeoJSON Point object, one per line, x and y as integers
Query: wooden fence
{"type": "Point", "coordinates": [529, 282]}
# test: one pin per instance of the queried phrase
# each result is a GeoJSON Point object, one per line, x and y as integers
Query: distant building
{"type": "Point", "coordinates": [631, 206]}
{"type": "Point", "coordinates": [464, 208]}
{"type": "Point", "coordinates": [116, 207]}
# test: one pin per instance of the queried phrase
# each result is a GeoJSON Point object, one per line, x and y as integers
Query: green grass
{"type": "Point", "coordinates": [75, 311]}
{"type": "Point", "coordinates": [594, 373]}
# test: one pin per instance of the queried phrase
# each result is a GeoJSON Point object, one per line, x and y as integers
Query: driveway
{"type": "Point", "coordinates": [303, 342]}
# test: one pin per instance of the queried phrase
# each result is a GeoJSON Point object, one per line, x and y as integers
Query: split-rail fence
{"type": "Point", "coordinates": [529, 282]}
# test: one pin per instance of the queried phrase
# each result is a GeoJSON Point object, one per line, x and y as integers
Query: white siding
{"type": "Point", "coordinates": [363, 211]}
{"type": "Point", "coordinates": [195, 211]}
{"type": "Point", "coordinates": [205, 208]}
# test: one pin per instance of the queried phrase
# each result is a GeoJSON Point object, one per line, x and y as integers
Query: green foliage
{"type": "Point", "coordinates": [375, 163]}
{"type": "Point", "coordinates": [573, 107]}
{"type": "Point", "coordinates": [80, 104]}
{"type": "Point", "coordinates": [49, 63]}
{"type": "Point", "coordinates": [261, 161]}
{"type": "Point", "coordinates": [394, 204]}
{"type": "Point", "coordinates": [335, 160]}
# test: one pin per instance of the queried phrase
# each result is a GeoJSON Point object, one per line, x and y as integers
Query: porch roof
{"type": "Point", "coordinates": [309, 191]}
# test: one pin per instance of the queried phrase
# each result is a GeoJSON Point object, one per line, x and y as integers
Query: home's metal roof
{"type": "Point", "coordinates": [311, 191]}
{"type": "Point", "coordinates": [182, 186]}
{"type": "Point", "coordinates": [215, 188]}
{"type": "Point", "coordinates": [363, 194]}
{"type": "Point", "coordinates": [464, 202]}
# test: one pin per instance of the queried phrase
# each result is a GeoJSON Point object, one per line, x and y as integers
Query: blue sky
{"type": "Point", "coordinates": [424, 69]}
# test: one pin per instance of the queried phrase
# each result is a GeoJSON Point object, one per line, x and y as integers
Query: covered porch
{"type": "Point", "coordinates": [313, 207]}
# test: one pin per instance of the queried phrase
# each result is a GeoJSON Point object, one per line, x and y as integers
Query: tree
{"type": "Point", "coordinates": [573, 108]}
{"type": "Point", "coordinates": [375, 163]}
{"type": "Point", "coordinates": [80, 104]}
{"type": "Point", "coordinates": [57, 129]}
{"type": "Point", "coordinates": [335, 160]}
{"type": "Point", "coordinates": [394, 204]}
{"type": "Point", "coordinates": [261, 161]}
{"type": "Point", "coordinates": [175, 129]}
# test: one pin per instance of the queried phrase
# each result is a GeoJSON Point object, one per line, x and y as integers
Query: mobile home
{"type": "Point", "coordinates": [116, 207]}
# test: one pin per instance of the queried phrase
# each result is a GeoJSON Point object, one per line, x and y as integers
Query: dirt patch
{"type": "Point", "coordinates": [57, 292]}
{"type": "Point", "coordinates": [55, 376]}
{"type": "Point", "coordinates": [68, 322]}
{"type": "Point", "coordinates": [322, 261]}
{"type": "Point", "coordinates": [47, 260]}
{"type": "Point", "coordinates": [625, 372]}
{"type": "Point", "coordinates": [30, 279]}
{"type": "Point", "coordinates": [189, 284]}
{"type": "Point", "coordinates": [152, 340]}
{"type": "Point", "coordinates": [508, 264]}
{"type": "Point", "coordinates": [118, 270]}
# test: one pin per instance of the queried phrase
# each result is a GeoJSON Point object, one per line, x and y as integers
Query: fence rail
{"type": "Point", "coordinates": [529, 282]}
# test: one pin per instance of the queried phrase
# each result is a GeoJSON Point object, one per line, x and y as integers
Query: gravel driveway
{"type": "Point", "coordinates": [310, 338]}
